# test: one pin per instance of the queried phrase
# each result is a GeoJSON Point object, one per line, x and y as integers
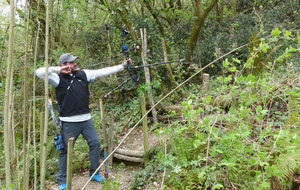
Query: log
{"type": "Point", "coordinates": [127, 152]}
{"type": "Point", "coordinates": [163, 118]}
{"type": "Point", "coordinates": [128, 158]}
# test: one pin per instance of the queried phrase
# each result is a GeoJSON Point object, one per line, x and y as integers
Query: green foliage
{"type": "Point", "coordinates": [252, 116]}
{"type": "Point", "coordinates": [243, 135]}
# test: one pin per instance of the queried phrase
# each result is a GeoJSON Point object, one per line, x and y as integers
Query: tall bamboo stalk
{"type": "Point", "coordinates": [34, 113]}
{"type": "Point", "coordinates": [9, 71]}
{"type": "Point", "coordinates": [25, 105]}
{"type": "Point", "coordinates": [27, 159]}
{"type": "Point", "coordinates": [44, 150]}
{"type": "Point", "coordinates": [33, 102]}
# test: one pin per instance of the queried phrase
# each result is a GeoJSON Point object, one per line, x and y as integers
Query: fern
{"type": "Point", "coordinates": [288, 164]}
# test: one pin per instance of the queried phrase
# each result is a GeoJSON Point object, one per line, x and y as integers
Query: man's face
{"type": "Point", "coordinates": [68, 67]}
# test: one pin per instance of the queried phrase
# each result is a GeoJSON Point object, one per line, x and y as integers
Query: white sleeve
{"type": "Point", "coordinates": [53, 77]}
{"type": "Point", "coordinates": [93, 74]}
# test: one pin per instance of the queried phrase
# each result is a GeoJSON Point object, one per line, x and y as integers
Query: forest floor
{"type": "Point", "coordinates": [120, 173]}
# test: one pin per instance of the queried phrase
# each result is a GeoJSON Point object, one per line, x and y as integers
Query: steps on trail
{"type": "Point", "coordinates": [132, 149]}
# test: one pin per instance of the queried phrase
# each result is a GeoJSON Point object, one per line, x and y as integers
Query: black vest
{"type": "Point", "coordinates": [72, 94]}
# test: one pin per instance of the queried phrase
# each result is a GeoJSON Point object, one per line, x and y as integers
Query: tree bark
{"type": "Point", "coordinates": [44, 150]}
{"type": "Point", "coordinates": [25, 102]}
{"type": "Point", "coordinates": [201, 15]}
{"type": "Point", "coordinates": [120, 8]}
{"type": "Point", "coordinates": [163, 41]}
{"type": "Point", "coordinates": [9, 71]}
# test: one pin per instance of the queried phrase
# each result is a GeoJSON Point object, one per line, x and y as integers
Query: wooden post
{"type": "Point", "coordinates": [103, 123]}
{"type": "Point", "coordinates": [145, 127]}
{"type": "Point", "coordinates": [206, 84]}
{"type": "Point", "coordinates": [69, 162]}
{"type": "Point", "coordinates": [105, 143]}
{"type": "Point", "coordinates": [111, 137]}
{"type": "Point", "coordinates": [147, 73]}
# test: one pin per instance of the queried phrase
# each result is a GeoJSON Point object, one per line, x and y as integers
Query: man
{"type": "Point", "coordinates": [72, 93]}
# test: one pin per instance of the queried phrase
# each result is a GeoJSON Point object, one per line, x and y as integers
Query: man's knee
{"type": "Point", "coordinates": [94, 143]}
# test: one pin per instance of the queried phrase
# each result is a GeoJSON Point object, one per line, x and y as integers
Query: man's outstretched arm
{"type": "Point", "coordinates": [93, 74]}
{"type": "Point", "coordinates": [53, 78]}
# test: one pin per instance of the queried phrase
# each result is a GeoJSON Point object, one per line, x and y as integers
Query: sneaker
{"type": "Point", "coordinates": [62, 186]}
{"type": "Point", "coordinates": [98, 178]}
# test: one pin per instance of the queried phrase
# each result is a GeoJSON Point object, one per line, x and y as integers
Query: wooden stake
{"type": "Point", "coordinates": [103, 122]}
{"type": "Point", "coordinates": [147, 74]}
{"type": "Point", "coordinates": [105, 138]}
{"type": "Point", "coordinates": [206, 84]}
{"type": "Point", "coordinates": [69, 162]}
{"type": "Point", "coordinates": [111, 137]}
{"type": "Point", "coordinates": [145, 127]}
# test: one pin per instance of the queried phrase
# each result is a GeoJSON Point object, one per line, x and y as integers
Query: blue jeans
{"type": "Point", "coordinates": [89, 133]}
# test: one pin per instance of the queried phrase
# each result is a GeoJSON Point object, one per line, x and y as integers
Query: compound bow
{"type": "Point", "coordinates": [132, 70]}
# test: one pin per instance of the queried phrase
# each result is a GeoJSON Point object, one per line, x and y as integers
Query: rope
{"type": "Point", "coordinates": [159, 103]}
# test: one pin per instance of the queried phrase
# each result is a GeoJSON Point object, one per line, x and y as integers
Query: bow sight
{"type": "Point", "coordinates": [132, 70]}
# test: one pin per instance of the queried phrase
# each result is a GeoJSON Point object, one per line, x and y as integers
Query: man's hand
{"type": "Point", "coordinates": [68, 67]}
{"type": "Point", "coordinates": [126, 62]}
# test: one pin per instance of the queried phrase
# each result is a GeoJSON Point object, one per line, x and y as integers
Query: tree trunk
{"type": "Point", "coordinates": [34, 107]}
{"type": "Point", "coordinates": [9, 71]}
{"type": "Point", "coordinates": [25, 103]}
{"type": "Point", "coordinates": [44, 144]}
{"type": "Point", "coordinates": [197, 27]}
{"type": "Point", "coordinates": [120, 8]}
{"type": "Point", "coordinates": [163, 41]}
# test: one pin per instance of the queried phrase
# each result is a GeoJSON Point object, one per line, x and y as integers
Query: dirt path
{"type": "Point", "coordinates": [120, 174]}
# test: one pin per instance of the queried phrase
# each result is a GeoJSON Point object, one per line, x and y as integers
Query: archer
{"type": "Point", "coordinates": [72, 93]}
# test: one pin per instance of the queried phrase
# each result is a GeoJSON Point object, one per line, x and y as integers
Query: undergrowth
{"type": "Point", "coordinates": [244, 134]}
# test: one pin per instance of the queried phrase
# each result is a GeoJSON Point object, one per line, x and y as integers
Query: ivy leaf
{"type": "Point", "coordinates": [276, 32]}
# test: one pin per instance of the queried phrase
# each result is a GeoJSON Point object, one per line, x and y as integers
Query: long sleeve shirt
{"type": "Point", "coordinates": [91, 75]}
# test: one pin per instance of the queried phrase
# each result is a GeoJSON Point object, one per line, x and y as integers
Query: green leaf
{"type": "Point", "coordinates": [197, 143]}
{"type": "Point", "coordinates": [265, 185]}
{"type": "Point", "coordinates": [276, 32]}
{"type": "Point", "coordinates": [264, 47]}
{"type": "Point", "coordinates": [232, 69]}
{"type": "Point", "coordinates": [236, 60]}
{"type": "Point", "coordinates": [287, 34]}
{"type": "Point", "coordinates": [218, 186]}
